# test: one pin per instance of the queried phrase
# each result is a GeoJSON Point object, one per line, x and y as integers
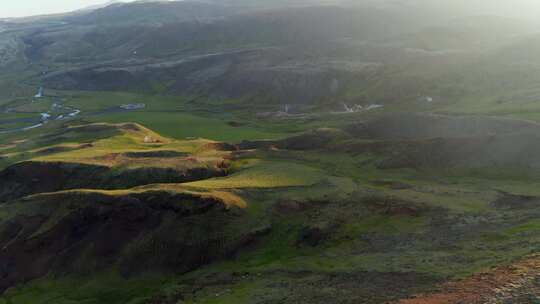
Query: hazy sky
{"type": "Point", "coordinates": [515, 7]}
{"type": "Point", "coordinates": [20, 8]}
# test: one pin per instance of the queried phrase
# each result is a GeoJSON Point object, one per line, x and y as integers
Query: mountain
{"type": "Point", "coordinates": [99, 6]}
{"type": "Point", "coordinates": [213, 48]}
{"type": "Point", "coordinates": [149, 12]}
{"type": "Point", "coordinates": [148, 40]}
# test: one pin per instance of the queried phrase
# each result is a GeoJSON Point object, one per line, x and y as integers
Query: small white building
{"type": "Point", "coordinates": [40, 93]}
{"type": "Point", "coordinates": [133, 106]}
{"type": "Point", "coordinates": [426, 99]}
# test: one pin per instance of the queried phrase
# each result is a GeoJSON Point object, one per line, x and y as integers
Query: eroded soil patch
{"type": "Point", "coordinates": [517, 283]}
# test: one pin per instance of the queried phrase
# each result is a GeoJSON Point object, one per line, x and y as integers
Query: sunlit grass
{"type": "Point", "coordinates": [265, 175]}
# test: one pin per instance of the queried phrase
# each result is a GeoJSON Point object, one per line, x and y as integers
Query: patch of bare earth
{"type": "Point", "coordinates": [518, 283]}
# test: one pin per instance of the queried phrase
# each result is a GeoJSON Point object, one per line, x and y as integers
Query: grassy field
{"type": "Point", "coordinates": [182, 125]}
{"type": "Point", "coordinates": [176, 117]}
{"type": "Point", "coordinates": [265, 175]}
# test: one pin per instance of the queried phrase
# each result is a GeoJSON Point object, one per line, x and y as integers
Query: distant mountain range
{"type": "Point", "coordinates": [313, 52]}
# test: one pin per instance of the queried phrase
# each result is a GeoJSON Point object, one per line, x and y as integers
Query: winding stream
{"type": "Point", "coordinates": [45, 117]}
